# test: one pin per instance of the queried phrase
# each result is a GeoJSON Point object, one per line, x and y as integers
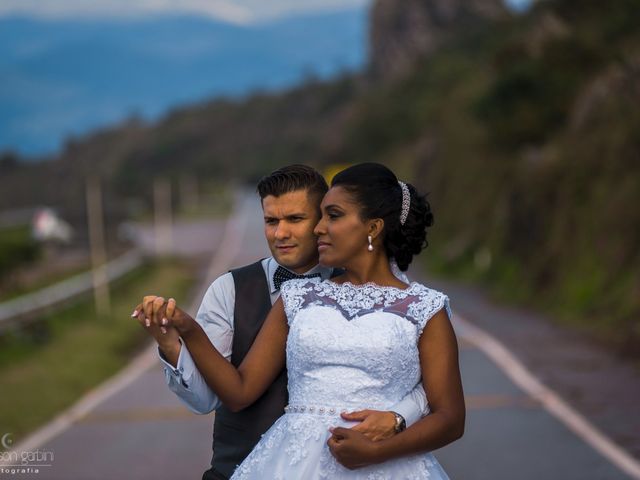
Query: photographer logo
{"type": "Point", "coordinates": [14, 462]}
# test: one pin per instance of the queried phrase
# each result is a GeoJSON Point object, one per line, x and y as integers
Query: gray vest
{"type": "Point", "coordinates": [235, 434]}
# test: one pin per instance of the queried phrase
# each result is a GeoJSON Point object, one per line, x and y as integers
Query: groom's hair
{"type": "Point", "coordinates": [292, 178]}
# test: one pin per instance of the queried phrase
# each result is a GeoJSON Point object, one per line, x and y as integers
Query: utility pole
{"type": "Point", "coordinates": [162, 211]}
{"type": "Point", "coordinates": [188, 193]}
{"type": "Point", "coordinates": [95, 219]}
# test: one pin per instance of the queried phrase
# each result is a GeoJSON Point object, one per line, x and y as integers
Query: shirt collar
{"type": "Point", "coordinates": [272, 265]}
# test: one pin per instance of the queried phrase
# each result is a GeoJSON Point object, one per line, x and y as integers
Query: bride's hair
{"type": "Point", "coordinates": [376, 189]}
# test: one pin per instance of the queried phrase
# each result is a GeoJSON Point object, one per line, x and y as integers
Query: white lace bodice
{"type": "Point", "coordinates": [355, 346]}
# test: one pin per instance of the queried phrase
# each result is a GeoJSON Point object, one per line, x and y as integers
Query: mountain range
{"type": "Point", "coordinates": [62, 78]}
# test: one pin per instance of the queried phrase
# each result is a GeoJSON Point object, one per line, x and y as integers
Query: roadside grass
{"type": "Point", "coordinates": [17, 249]}
{"type": "Point", "coordinates": [45, 368]}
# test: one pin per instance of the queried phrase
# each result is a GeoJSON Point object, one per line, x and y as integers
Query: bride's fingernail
{"type": "Point", "coordinates": [147, 322]}
{"type": "Point", "coordinates": [134, 314]}
{"type": "Point", "coordinates": [163, 330]}
{"type": "Point", "coordinates": [164, 321]}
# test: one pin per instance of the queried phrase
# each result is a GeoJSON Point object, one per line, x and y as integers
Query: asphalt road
{"type": "Point", "coordinates": [142, 432]}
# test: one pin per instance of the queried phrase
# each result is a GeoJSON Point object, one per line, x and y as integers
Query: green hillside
{"type": "Point", "coordinates": [525, 130]}
{"type": "Point", "coordinates": [527, 134]}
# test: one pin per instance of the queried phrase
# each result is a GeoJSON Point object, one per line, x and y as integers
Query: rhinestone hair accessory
{"type": "Point", "coordinates": [406, 202]}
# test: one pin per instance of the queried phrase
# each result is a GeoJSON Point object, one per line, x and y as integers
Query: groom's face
{"type": "Point", "coordinates": [289, 220]}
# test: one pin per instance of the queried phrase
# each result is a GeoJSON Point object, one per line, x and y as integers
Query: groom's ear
{"type": "Point", "coordinates": [376, 225]}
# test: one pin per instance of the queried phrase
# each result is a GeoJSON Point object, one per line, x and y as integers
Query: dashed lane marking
{"type": "Point", "coordinates": [139, 415]}
{"type": "Point", "coordinates": [480, 402]}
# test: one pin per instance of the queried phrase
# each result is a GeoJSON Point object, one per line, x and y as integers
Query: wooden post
{"type": "Point", "coordinates": [188, 193]}
{"type": "Point", "coordinates": [95, 221]}
{"type": "Point", "coordinates": [162, 214]}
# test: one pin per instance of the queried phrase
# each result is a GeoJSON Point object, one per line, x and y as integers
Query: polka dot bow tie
{"type": "Point", "coordinates": [282, 275]}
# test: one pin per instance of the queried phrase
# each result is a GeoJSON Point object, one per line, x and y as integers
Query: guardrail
{"type": "Point", "coordinates": [24, 306]}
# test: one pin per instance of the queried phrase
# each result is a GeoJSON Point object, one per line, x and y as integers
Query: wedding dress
{"type": "Point", "coordinates": [350, 347]}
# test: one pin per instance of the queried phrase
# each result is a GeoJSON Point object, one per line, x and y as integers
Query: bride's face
{"type": "Point", "coordinates": [342, 235]}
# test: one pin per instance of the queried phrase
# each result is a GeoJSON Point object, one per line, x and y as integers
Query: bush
{"type": "Point", "coordinates": [17, 248]}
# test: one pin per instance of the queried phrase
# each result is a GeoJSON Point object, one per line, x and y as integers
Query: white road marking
{"type": "Point", "coordinates": [88, 402]}
{"type": "Point", "coordinates": [550, 400]}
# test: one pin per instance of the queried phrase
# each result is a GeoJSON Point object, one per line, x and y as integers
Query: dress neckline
{"type": "Point", "coordinates": [372, 284]}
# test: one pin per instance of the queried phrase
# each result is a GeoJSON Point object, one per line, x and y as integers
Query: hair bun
{"type": "Point", "coordinates": [380, 195]}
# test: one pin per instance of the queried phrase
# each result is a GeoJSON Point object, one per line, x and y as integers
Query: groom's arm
{"type": "Point", "coordinates": [215, 316]}
{"type": "Point", "coordinates": [414, 406]}
{"type": "Point", "coordinates": [379, 425]}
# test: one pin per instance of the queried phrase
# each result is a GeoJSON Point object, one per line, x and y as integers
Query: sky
{"type": "Point", "coordinates": [516, 4]}
{"type": "Point", "coordinates": [235, 11]}
{"type": "Point", "coordinates": [241, 12]}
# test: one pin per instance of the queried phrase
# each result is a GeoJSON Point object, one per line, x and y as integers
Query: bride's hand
{"type": "Point", "coordinates": [164, 314]}
{"type": "Point", "coordinates": [351, 448]}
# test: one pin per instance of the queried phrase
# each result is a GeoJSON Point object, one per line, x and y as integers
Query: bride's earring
{"type": "Point", "coordinates": [370, 247]}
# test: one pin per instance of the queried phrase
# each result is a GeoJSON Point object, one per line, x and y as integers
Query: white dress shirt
{"type": "Point", "coordinates": [215, 316]}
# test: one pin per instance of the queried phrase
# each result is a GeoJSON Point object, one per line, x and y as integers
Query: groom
{"type": "Point", "coordinates": [232, 312]}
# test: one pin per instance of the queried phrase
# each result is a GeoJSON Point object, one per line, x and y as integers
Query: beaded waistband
{"type": "Point", "coordinates": [314, 409]}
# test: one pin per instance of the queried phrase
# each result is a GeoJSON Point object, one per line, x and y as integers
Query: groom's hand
{"type": "Point", "coordinates": [375, 425]}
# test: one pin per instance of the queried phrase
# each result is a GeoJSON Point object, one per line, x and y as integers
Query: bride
{"type": "Point", "coordinates": [360, 340]}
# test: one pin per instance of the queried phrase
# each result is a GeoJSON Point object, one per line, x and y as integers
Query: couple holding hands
{"type": "Point", "coordinates": [322, 361]}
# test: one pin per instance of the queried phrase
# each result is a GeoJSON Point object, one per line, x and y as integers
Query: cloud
{"type": "Point", "coordinates": [234, 11]}
{"type": "Point", "coordinates": [265, 9]}
{"type": "Point", "coordinates": [219, 9]}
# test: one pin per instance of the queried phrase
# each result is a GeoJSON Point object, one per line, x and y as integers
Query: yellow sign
{"type": "Point", "coordinates": [333, 169]}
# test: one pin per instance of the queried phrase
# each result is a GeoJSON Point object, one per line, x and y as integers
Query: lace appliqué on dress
{"type": "Point", "coordinates": [416, 303]}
